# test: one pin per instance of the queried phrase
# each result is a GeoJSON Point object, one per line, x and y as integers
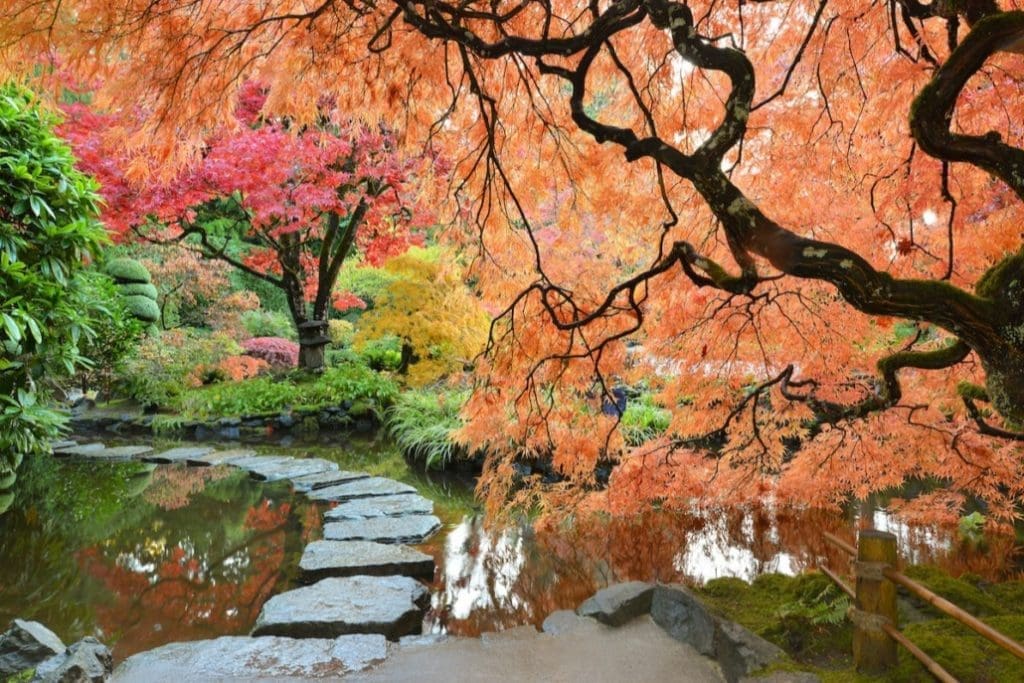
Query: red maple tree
{"type": "Point", "coordinates": [285, 206]}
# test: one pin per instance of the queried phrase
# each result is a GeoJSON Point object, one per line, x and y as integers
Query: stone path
{"type": "Point", "coordinates": [363, 609]}
{"type": "Point", "coordinates": [363, 588]}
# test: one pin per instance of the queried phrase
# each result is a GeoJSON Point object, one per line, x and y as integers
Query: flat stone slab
{"type": "Point", "coordinates": [381, 506]}
{"type": "Point", "coordinates": [219, 457]}
{"type": "Point", "coordinates": [263, 658]}
{"type": "Point", "coordinates": [392, 606]}
{"type": "Point", "coordinates": [409, 529]}
{"type": "Point", "coordinates": [294, 468]}
{"type": "Point", "coordinates": [66, 443]}
{"type": "Point", "coordinates": [249, 463]}
{"type": "Point", "coordinates": [177, 454]}
{"type": "Point", "coordinates": [322, 559]}
{"type": "Point", "coordinates": [320, 480]}
{"type": "Point", "coordinates": [362, 488]}
{"type": "Point", "coordinates": [119, 453]}
{"type": "Point", "coordinates": [84, 449]}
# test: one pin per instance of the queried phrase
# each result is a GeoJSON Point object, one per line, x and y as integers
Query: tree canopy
{"type": "Point", "coordinates": [798, 221]}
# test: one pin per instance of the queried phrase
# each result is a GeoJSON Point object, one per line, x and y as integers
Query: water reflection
{"type": "Point", "coordinates": [142, 556]}
{"type": "Point", "coordinates": [497, 578]}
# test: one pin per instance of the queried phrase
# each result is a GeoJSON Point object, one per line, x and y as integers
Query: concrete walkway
{"type": "Point", "coordinates": [639, 651]}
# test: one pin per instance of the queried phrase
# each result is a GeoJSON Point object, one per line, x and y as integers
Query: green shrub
{"type": "Point", "coordinates": [164, 367]}
{"type": "Point", "coordinates": [643, 421]}
{"type": "Point", "coordinates": [422, 422]}
{"type": "Point", "coordinates": [382, 354]}
{"type": "Point", "coordinates": [118, 333]}
{"type": "Point", "coordinates": [127, 270]}
{"type": "Point", "coordinates": [369, 284]}
{"type": "Point", "coordinates": [143, 308]}
{"type": "Point", "coordinates": [139, 289]}
{"type": "Point", "coordinates": [355, 384]}
{"type": "Point", "coordinates": [262, 323]}
{"type": "Point", "coordinates": [48, 230]}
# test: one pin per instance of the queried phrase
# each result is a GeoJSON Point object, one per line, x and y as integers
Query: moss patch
{"type": "Point", "coordinates": [802, 615]}
{"type": "Point", "coordinates": [960, 651]}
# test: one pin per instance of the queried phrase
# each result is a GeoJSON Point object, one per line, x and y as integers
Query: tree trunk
{"type": "Point", "coordinates": [312, 341]}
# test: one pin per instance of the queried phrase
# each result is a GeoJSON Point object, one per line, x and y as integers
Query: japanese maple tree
{"type": "Point", "coordinates": [283, 206]}
{"type": "Point", "coordinates": [807, 212]}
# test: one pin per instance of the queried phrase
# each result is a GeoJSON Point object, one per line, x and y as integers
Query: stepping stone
{"type": "Point", "coordinates": [57, 445]}
{"type": "Point", "coordinates": [322, 559]}
{"type": "Point", "coordinates": [389, 605]}
{"type": "Point", "coordinates": [219, 457]}
{"type": "Point", "coordinates": [320, 480]}
{"type": "Point", "coordinates": [258, 461]}
{"type": "Point", "coordinates": [381, 506]}
{"type": "Point", "coordinates": [79, 450]}
{"type": "Point", "coordinates": [177, 454]}
{"type": "Point", "coordinates": [246, 659]}
{"type": "Point", "coordinates": [294, 468]}
{"type": "Point", "coordinates": [120, 453]}
{"type": "Point", "coordinates": [362, 488]}
{"type": "Point", "coordinates": [410, 529]}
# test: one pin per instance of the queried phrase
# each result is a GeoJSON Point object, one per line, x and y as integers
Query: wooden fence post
{"type": "Point", "coordinates": [875, 604]}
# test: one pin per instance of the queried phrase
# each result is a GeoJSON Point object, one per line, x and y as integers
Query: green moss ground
{"type": "Point", "coordinates": [802, 615]}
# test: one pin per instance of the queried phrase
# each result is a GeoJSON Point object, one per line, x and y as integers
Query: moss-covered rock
{"type": "Point", "coordinates": [140, 289]}
{"type": "Point", "coordinates": [143, 308]}
{"type": "Point", "coordinates": [126, 271]}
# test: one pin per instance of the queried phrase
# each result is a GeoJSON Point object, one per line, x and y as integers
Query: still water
{"type": "Point", "coordinates": [141, 555]}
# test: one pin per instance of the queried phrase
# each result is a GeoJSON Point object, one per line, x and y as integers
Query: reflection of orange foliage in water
{"type": "Point", "coordinates": [171, 487]}
{"type": "Point", "coordinates": [165, 594]}
{"type": "Point", "coordinates": [312, 523]}
{"type": "Point", "coordinates": [265, 515]}
{"type": "Point", "coordinates": [561, 566]}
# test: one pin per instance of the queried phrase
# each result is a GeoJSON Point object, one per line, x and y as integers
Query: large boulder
{"type": "Point", "coordinates": [677, 610]}
{"type": "Point", "coordinates": [619, 603]}
{"type": "Point", "coordinates": [87, 661]}
{"type": "Point", "coordinates": [25, 645]}
{"type": "Point", "coordinates": [741, 652]}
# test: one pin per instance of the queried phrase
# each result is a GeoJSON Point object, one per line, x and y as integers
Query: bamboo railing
{"type": "Point", "coordinates": [874, 613]}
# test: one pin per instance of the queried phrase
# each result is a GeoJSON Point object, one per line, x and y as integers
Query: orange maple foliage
{"type": "Point", "coordinates": [796, 221]}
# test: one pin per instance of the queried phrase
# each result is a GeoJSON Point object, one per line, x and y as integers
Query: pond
{"type": "Point", "coordinates": [142, 555]}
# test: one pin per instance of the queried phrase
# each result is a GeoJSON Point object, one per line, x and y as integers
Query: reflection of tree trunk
{"type": "Point", "coordinates": [867, 512]}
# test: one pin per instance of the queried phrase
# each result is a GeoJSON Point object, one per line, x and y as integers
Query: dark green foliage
{"type": "Point", "coordinates": [117, 334]}
{"type": "Point", "coordinates": [422, 422]}
{"type": "Point", "coordinates": [127, 271]}
{"type": "Point", "coordinates": [139, 289]}
{"type": "Point", "coordinates": [383, 354]}
{"type": "Point", "coordinates": [264, 323]}
{"type": "Point", "coordinates": [48, 229]}
{"type": "Point", "coordinates": [366, 390]}
{"type": "Point", "coordinates": [143, 308]}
